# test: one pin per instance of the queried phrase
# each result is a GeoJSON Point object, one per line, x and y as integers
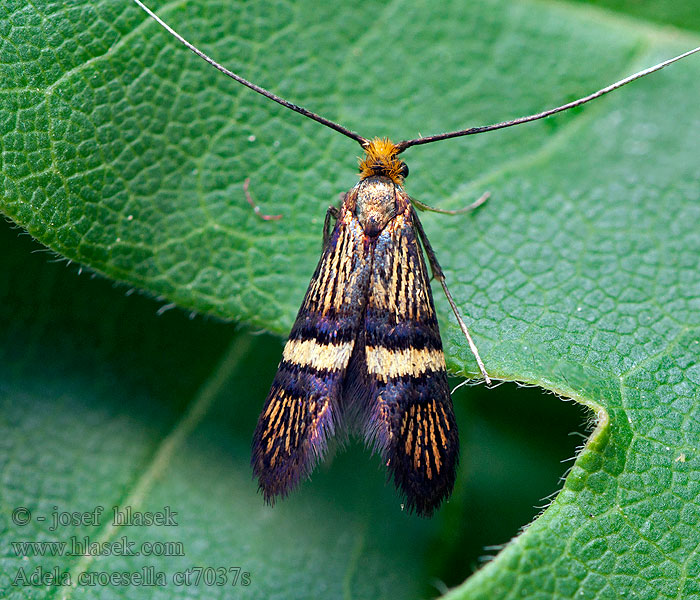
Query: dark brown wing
{"type": "Point", "coordinates": [303, 409]}
{"type": "Point", "coordinates": [407, 410]}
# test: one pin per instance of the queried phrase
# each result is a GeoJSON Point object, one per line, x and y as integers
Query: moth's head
{"type": "Point", "coordinates": [382, 158]}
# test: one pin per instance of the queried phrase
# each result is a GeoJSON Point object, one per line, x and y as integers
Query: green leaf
{"type": "Point", "coordinates": [123, 152]}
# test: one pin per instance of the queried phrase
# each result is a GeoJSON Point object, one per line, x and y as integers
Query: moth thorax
{"type": "Point", "coordinates": [375, 204]}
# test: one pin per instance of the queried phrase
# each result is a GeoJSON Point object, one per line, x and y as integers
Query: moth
{"type": "Point", "coordinates": [365, 351]}
{"type": "Point", "coordinates": [365, 354]}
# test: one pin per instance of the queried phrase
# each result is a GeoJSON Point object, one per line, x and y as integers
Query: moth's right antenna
{"type": "Point", "coordinates": [474, 130]}
{"type": "Point", "coordinates": [256, 88]}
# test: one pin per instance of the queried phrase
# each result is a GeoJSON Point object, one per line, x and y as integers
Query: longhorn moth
{"type": "Point", "coordinates": [365, 350]}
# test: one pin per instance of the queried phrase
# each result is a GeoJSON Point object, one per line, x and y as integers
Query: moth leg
{"type": "Point", "coordinates": [438, 274]}
{"type": "Point", "coordinates": [476, 204]}
{"type": "Point", "coordinates": [332, 212]}
{"type": "Point", "coordinates": [256, 208]}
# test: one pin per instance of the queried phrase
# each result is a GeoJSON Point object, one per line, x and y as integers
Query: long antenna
{"type": "Point", "coordinates": [256, 88]}
{"type": "Point", "coordinates": [474, 130]}
{"type": "Point", "coordinates": [401, 146]}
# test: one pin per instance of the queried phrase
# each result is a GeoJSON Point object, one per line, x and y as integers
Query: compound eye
{"type": "Point", "coordinates": [404, 170]}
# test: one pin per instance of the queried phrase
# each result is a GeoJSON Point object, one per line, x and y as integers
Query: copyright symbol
{"type": "Point", "coordinates": [21, 515]}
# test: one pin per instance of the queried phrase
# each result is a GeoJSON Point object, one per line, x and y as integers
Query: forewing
{"type": "Point", "coordinates": [303, 410]}
{"type": "Point", "coordinates": [407, 413]}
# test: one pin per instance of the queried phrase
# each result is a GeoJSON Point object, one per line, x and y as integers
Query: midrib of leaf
{"type": "Point", "coordinates": [193, 415]}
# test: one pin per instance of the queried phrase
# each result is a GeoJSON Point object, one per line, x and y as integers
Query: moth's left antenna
{"type": "Point", "coordinates": [256, 88]}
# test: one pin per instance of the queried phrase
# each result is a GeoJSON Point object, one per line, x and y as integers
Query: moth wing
{"type": "Point", "coordinates": [303, 409]}
{"type": "Point", "coordinates": [407, 414]}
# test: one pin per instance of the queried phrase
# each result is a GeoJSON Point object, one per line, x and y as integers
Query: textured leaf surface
{"type": "Point", "coordinates": [123, 152]}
